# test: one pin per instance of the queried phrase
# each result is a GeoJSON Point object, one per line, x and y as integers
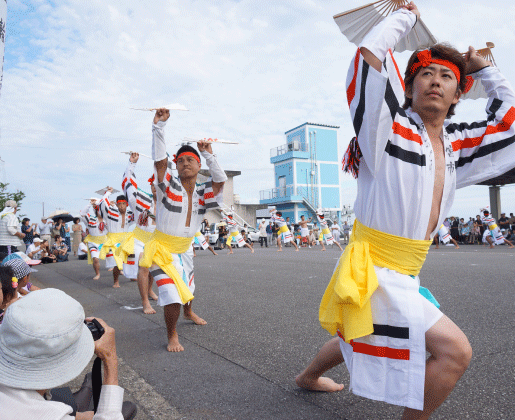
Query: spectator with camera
{"type": "Point", "coordinates": [39, 250]}
{"type": "Point", "coordinates": [44, 343]}
{"type": "Point", "coordinates": [28, 230]}
{"type": "Point", "coordinates": [60, 249]}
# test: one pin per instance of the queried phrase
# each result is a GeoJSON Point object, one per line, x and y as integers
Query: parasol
{"type": "Point", "coordinates": [474, 88]}
{"type": "Point", "coordinates": [61, 214]}
{"type": "Point", "coordinates": [357, 23]}
{"type": "Point", "coordinates": [171, 107]}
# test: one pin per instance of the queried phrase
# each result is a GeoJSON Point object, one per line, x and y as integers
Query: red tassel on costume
{"type": "Point", "coordinates": [351, 158]}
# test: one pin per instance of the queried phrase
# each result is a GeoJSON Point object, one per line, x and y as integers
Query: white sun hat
{"type": "Point", "coordinates": [44, 342]}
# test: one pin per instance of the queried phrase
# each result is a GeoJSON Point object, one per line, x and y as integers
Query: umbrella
{"type": "Point", "coordinates": [67, 217]}
{"type": "Point", "coordinates": [357, 23]}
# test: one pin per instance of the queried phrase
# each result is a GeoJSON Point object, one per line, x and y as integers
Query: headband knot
{"type": "Point", "coordinates": [174, 160]}
{"type": "Point", "coordinates": [175, 157]}
{"type": "Point", "coordinates": [152, 179]}
{"type": "Point", "coordinates": [425, 59]}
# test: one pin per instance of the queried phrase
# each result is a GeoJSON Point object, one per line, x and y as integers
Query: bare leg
{"type": "Point", "coordinates": [116, 275]}
{"type": "Point", "coordinates": [323, 246]}
{"type": "Point", "coordinates": [230, 248]}
{"type": "Point", "coordinates": [96, 267]}
{"type": "Point", "coordinates": [490, 241]}
{"type": "Point", "coordinates": [143, 286]}
{"type": "Point", "coordinates": [437, 239]}
{"type": "Point", "coordinates": [509, 243]}
{"type": "Point", "coordinates": [192, 316]}
{"type": "Point", "coordinates": [151, 293]}
{"type": "Point", "coordinates": [250, 247]}
{"type": "Point", "coordinates": [194, 253]}
{"type": "Point", "coordinates": [338, 245]}
{"type": "Point", "coordinates": [328, 357]}
{"type": "Point", "coordinates": [455, 243]}
{"type": "Point", "coordinates": [295, 245]}
{"type": "Point", "coordinates": [279, 244]}
{"type": "Point", "coordinates": [172, 313]}
{"type": "Point", "coordinates": [450, 356]}
{"type": "Point", "coordinates": [212, 250]}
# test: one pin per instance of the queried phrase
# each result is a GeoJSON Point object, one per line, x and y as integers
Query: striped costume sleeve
{"type": "Point", "coordinates": [486, 149]}
{"type": "Point", "coordinates": [373, 97]}
{"type": "Point", "coordinates": [129, 185]}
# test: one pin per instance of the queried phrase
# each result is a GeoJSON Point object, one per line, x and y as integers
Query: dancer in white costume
{"type": "Point", "coordinates": [445, 236]}
{"type": "Point", "coordinates": [410, 158]}
{"type": "Point", "coordinates": [304, 230]}
{"type": "Point", "coordinates": [180, 207]}
{"type": "Point", "coordinates": [97, 231]}
{"type": "Point", "coordinates": [234, 233]}
{"type": "Point", "coordinates": [283, 233]}
{"type": "Point", "coordinates": [201, 241]}
{"type": "Point", "coordinates": [325, 233]}
{"type": "Point", "coordinates": [119, 221]}
{"type": "Point", "coordinates": [131, 248]}
{"type": "Point", "coordinates": [490, 224]}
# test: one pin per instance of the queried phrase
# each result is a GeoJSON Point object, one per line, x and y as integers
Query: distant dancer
{"type": "Point", "coordinates": [283, 232]}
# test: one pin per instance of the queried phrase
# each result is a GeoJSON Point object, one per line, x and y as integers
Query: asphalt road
{"type": "Point", "coordinates": [262, 314]}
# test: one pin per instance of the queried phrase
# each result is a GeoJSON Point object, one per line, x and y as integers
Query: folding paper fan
{"type": "Point", "coordinates": [171, 107]}
{"type": "Point", "coordinates": [356, 23]}
{"type": "Point", "coordinates": [188, 140]}
{"type": "Point", "coordinates": [474, 88]}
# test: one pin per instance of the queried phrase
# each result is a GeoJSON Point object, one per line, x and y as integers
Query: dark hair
{"type": "Point", "coordinates": [25, 219]}
{"type": "Point", "coordinates": [6, 277]}
{"type": "Point", "coordinates": [278, 213]}
{"type": "Point", "coordinates": [57, 236]}
{"type": "Point", "coordinates": [444, 52]}
{"type": "Point", "coordinates": [76, 220]}
{"type": "Point", "coordinates": [187, 148]}
{"type": "Point", "coordinates": [121, 197]}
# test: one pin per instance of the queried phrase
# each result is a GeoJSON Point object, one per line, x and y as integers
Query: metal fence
{"type": "Point", "coordinates": [294, 146]}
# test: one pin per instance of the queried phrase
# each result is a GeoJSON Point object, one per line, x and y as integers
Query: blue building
{"type": "Point", "coordinates": [306, 172]}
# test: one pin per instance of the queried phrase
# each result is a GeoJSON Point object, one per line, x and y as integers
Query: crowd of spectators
{"type": "Point", "coordinates": [469, 232]}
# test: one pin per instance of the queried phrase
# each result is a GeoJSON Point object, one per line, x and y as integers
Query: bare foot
{"type": "Point", "coordinates": [457, 247]}
{"type": "Point", "coordinates": [297, 249]}
{"type": "Point", "coordinates": [321, 384]}
{"type": "Point", "coordinates": [147, 309]}
{"type": "Point", "coordinates": [252, 250]}
{"type": "Point", "coordinates": [152, 295]}
{"type": "Point", "coordinates": [491, 246]}
{"type": "Point", "coordinates": [437, 247]}
{"type": "Point", "coordinates": [323, 249]}
{"type": "Point", "coordinates": [116, 284]}
{"type": "Point", "coordinates": [230, 253]}
{"type": "Point", "coordinates": [279, 250]}
{"type": "Point", "coordinates": [511, 246]}
{"type": "Point", "coordinates": [214, 253]}
{"type": "Point", "coordinates": [96, 277]}
{"type": "Point", "coordinates": [173, 343]}
{"type": "Point", "coordinates": [110, 269]}
{"type": "Point", "coordinates": [195, 318]}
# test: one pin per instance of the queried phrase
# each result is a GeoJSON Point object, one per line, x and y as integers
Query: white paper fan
{"type": "Point", "coordinates": [475, 89]}
{"type": "Point", "coordinates": [209, 140]}
{"type": "Point", "coordinates": [356, 23]}
{"type": "Point", "coordinates": [171, 107]}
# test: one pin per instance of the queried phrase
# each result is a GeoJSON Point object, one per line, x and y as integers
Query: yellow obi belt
{"type": "Point", "coordinates": [492, 227]}
{"type": "Point", "coordinates": [159, 251]}
{"type": "Point", "coordinates": [230, 236]}
{"type": "Point", "coordinates": [282, 229]}
{"type": "Point", "coordinates": [113, 240]}
{"type": "Point", "coordinates": [325, 231]}
{"type": "Point", "coordinates": [126, 247]}
{"type": "Point", "coordinates": [346, 305]}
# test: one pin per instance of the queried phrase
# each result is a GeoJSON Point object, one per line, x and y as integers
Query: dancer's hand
{"type": "Point", "coordinates": [109, 189]}
{"type": "Point", "coordinates": [162, 114]}
{"type": "Point", "coordinates": [134, 157]}
{"type": "Point", "coordinates": [204, 146]}
{"type": "Point", "coordinates": [412, 8]}
{"type": "Point", "coordinates": [474, 61]}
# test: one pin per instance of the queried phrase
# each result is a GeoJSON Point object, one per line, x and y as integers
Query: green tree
{"type": "Point", "coordinates": [5, 195]}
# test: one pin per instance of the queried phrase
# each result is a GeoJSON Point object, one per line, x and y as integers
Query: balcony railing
{"type": "Point", "coordinates": [295, 146]}
{"type": "Point", "coordinates": [310, 196]}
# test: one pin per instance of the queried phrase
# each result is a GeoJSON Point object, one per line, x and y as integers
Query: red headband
{"type": "Point", "coordinates": [175, 157]}
{"type": "Point", "coordinates": [425, 59]}
{"type": "Point", "coordinates": [152, 179]}
{"type": "Point", "coordinates": [121, 201]}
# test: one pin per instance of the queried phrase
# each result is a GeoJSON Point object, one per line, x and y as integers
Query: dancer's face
{"type": "Point", "coordinates": [187, 166]}
{"type": "Point", "coordinates": [122, 206]}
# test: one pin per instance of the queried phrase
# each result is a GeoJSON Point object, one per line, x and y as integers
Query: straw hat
{"type": "Point", "coordinates": [44, 342]}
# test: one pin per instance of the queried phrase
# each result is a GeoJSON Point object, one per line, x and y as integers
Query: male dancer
{"type": "Point", "coordinates": [234, 233]}
{"type": "Point", "coordinates": [118, 221]}
{"type": "Point", "coordinates": [445, 236]}
{"type": "Point", "coordinates": [414, 159]}
{"type": "Point", "coordinates": [143, 207]}
{"type": "Point", "coordinates": [97, 230]}
{"type": "Point", "coordinates": [304, 231]}
{"type": "Point", "coordinates": [325, 233]}
{"type": "Point", "coordinates": [283, 232]}
{"type": "Point", "coordinates": [181, 204]}
{"type": "Point", "coordinates": [495, 232]}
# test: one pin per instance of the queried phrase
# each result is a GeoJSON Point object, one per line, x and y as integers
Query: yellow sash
{"type": "Point", "coordinates": [283, 229]}
{"type": "Point", "coordinates": [126, 247]}
{"type": "Point", "coordinates": [325, 231]}
{"type": "Point", "coordinates": [492, 227]}
{"type": "Point", "coordinates": [345, 305]}
{"type": "Point", "coordinates": [95, 240]}
{"type": "Point", "coordinates": [112, 240]}
{"type": "Point", "coordinates": [230, 236]}
{"type": "Point", "coordinates": [198, 234]}
{"type": "Point", "coordinates": [159, 251]}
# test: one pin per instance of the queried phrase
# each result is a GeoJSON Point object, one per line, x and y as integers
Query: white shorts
{"type": "Point", "coordinates": [168, 293]}
{"type": "Point", "coordinates": [131, 268]}
{"type": "Point", "coordinates": [93, 249]}
{"type": "Point", "coordinates": [201, 241]}
{"type": "Point", "coordinates": [304, 232]}
{"type": "Point", "coordinates": [390, 364]}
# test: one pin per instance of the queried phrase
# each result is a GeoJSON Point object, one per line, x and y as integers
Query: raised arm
{"type": "Point", "coordinates": [129, 184]}
{"type": "Point", "coordinates": [158, 143]}
{"type": "Point", "coordinates": [217, 173]}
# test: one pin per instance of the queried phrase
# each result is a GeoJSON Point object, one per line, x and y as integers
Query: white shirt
{"type": "Point", "coordinates": [9, 223]}
{"type": "Point", "coordinates": [397, 170]}
{"type": "Point", "coordinates": [44, 228]}
{"type": "Point", "coordinates": [83, 249]}
{"type": "Point", "coordinates": [24, 404]}
{"type": "Point", "coordinates": [32, 248]}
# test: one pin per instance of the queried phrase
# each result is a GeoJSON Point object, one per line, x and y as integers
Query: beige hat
{"type": "Point", "coordinates": [11, 203]}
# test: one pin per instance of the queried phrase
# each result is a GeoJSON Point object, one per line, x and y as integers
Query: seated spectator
{"type": "Point", "coordinates": [45, 344]}
{"type": "Point", "coordinates": [22, 272]}
{"type": "Point", "coordinates": [82, 251]}
{"type": "Point", "coordinates": [59, 249]}
{"type": "Point", "coordinates": [8, 293]}
{"type": "Point", "coordinates": [312, 238]}
{"type": "Point", "coordinates": [38, 250]}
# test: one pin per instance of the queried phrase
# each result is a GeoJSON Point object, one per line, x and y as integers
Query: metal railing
{"type": "Point", "coordinates": [294, 146]}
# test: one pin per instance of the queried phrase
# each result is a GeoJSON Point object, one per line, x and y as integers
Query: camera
{"type": "Point", "coordinates": [96, 329]}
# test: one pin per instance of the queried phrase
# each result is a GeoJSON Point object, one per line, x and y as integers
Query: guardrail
{"type": "Point", "coordinates": [294, 146]}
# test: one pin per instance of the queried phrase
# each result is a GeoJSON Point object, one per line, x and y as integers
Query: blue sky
{"type": "Point", "coordinates": [248, 71]}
